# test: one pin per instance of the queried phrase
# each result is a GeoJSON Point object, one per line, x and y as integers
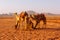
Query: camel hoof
{"type": "Point", "coordinates": [15, 26]}
{"type": "Point", "coordinates": [33, 27]}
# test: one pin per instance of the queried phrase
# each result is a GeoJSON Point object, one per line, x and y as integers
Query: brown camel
{"type": "Point", "coordinates": [25, 18]}
{"type": "Point", "coordinates": [37, 18]}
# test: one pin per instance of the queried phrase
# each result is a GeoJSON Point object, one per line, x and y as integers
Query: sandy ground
{"type": "Point", "coordinates": [8, 31]}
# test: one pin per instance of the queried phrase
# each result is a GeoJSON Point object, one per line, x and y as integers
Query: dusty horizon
{"type": "Point", "coordinates": [7, 6]}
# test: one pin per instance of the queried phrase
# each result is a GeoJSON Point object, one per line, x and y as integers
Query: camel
{"type": "Point", "coordinates": [24, 17]}
{"type": "Point", "coordinates": [37, 18]}
{"type": "Point", "coordinates": [17, 20]}
{"type": "Point", "coordinates": [21, 18]}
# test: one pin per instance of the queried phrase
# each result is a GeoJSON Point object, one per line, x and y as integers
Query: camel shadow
{"type": "Point", "coordinates": [46, 28]}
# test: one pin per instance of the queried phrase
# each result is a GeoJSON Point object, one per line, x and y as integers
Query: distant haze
{"type": "Point", "coordinates": [48, 6]}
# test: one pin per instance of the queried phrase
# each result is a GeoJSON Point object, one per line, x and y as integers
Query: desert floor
{"type": "Point", "coordinates": [8, 31]}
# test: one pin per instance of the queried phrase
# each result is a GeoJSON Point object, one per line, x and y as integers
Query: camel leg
{"type": "Point", "coordinates": [16, 26]}
{"type": "Point", "coordinates": [25, 23]}
{"type": "Point", "coordinates": [32, 25]}
{"type": "Point", "coordinates": [36, 25]}
{"type": "Point", "coordinates": [44, 23]}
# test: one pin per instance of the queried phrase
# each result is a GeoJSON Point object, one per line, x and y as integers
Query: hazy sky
{"type": "Point", "coordinates": [52, 6]}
